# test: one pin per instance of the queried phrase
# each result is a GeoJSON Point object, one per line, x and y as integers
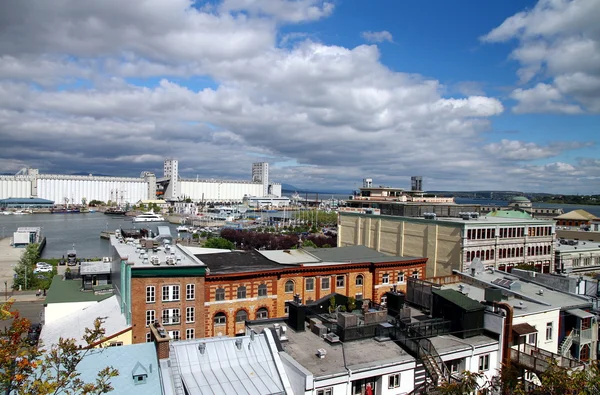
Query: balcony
{"type": "Point", "coordinates": [582, 336]}
{"type": "Point", "coordinates": [538, 360]}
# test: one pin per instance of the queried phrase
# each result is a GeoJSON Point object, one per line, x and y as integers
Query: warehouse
{"type": "Point", "coordinates": [25, 203]}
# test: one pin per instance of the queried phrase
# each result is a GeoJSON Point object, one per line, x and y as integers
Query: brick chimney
{"type": "Point", "coordinates": [161, 339]}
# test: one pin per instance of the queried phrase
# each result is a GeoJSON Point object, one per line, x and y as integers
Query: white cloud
{"type": "Point", "coordinates": [542, 98]}
{"type": "Point", "coordinates": [556, 39]}
{"type": "Point", "coordinates": [526, 151]}
{"type": "Point", "coordinates": [217, 92]}
{"type": "Point", "coordinates": [377, 37]}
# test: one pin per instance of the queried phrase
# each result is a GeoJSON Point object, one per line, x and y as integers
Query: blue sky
{"type": "Point", "coordinates": [471, 95]}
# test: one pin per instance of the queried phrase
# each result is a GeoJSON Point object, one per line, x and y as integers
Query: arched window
{"type": "Point", "coordinates": [241, 316]}
{"type": "Point", "coordinates": [262, 290]}
{"type": "Point", "coordinates": [220, 319]}
{"type": "Point", "coordinates": [289, 286]}
{"type": "Point", "coordinates": [241, 292]}
{"type": "Point", "coordinates": [262, 313]}
{"type": "Point", "coordinates": [359, 280]}
{"type": "Point", "coordinates": [220, 294]}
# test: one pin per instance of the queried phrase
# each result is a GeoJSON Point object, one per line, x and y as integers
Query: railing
{"type": "Point", "coordinates": [538, 360]}
{"type": "Point", "coordinates": [582, 336]}
{"type": "Point", "coordinates": [566, 344]}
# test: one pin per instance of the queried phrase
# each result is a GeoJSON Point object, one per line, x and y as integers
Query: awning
{"type": "Point", "coordinates": [523, 329]}
{"type": "Point", "coordinates": [580, 313]}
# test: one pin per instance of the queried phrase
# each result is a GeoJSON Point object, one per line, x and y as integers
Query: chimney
{"type": "Point", "coordinates": [161, 339]}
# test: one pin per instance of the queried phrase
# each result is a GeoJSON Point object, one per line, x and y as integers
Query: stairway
{"type": "Point", "coordinates": [436, 373]}
{"type": "Point", "coordinates": [565, 346]}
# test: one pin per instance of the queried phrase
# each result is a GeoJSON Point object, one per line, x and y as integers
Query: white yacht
{"type": "Point", "coordinates": [149, 216]}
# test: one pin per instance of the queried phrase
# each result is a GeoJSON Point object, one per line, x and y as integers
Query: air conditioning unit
{"type": "Point", "coordinates": [332, 337]}
{"type": "Point", "coordinates": [321, 352]}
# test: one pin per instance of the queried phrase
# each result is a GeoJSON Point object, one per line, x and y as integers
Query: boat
{"type": "Point", "coordinates": [149, 216]}
{"type": "Point", "coordinates": [64, 210]}
{"type": "Point", "coordinates": [115, 211]}
{"type": "Point", "coordinates": [183, 228]}
{"type": "Point", "coordinates": [22, 212]}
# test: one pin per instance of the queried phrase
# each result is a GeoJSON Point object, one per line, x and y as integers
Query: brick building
{"type": "Point", "coordinates": [197, 292]}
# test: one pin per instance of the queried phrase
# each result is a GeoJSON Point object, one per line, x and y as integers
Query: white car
{"type": "Point", "coordinates": [43, 264]}
{"type": "Point", "coordinates": [42, 269]}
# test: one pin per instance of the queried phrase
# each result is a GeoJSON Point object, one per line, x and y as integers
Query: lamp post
{"type": "Point", "coordinates": [5, 290]}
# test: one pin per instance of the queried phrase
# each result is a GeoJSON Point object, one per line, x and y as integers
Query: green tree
{"type": "Point", "coordinates": [219, 242]}
{"type": "Point", "coordinates": [24, 269]}
{"type": "Point", "coordinates": [29, 369]}
{"type": "Point", "coordinates": [309, 243]}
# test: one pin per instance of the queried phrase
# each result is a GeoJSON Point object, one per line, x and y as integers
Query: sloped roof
{"type": "Point", "coordinates": [26, 201]}
{"type": "Point", "coordinates": [459, 299]}
{"type": "Point", "coordinates": [580, 215]}
{"type": "Point", "coordinates": [509, 214]}
{"type": "Point", "coordinates": [523, 329]}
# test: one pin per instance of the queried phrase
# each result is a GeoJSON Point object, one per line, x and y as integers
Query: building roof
{"type": "Point", "coordinates": [578, 215]}
{"type": "Point", "coordinates": [96, 267]}
{"type": "Point", "coordinates": [525, 297]}
{"type": "Point", "coordinates": [225, 368]}
{"type": "Point", "coordinates": [288, 257]}
{"type": "Point", "coordinates": [459, 299]}
{"type": "Point", "coordinates": [69, 291]}
{"type": "Point", "coordinates": [509, 214]}
{"type": "Point", "coordinates": [237, 262]}
{"type": "Point", "coordinates": [447, 344]}
{"type": "Point", "coordinates": [359, 354]}
{"type": "Point", "coordinates": [578, 246]}
{"type": "Point", "coordinates": [72, 326]}
{"type": "Point", "coordinates": [127, 360]}
{"type": "Point", "coordinates": [523, 329]}
{"type": "Point", "coordinates": [519, 199]}
{"type": "Point", "coordinates": [31, 200]}
{"type": "Point", "coordinates": [134, 255]}
{"type": "Point", "coordinates": [355, 254]}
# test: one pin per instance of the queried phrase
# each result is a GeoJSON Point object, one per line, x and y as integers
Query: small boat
{"type": "Point", "coordinates": [22, 212]}
{"type": "Point", "coordinates": [115, 211]}
{"type": "Point", "coordinates": [149, 216]}
{"type": "Point", "coordinates": [64, 210]}
{"type": "Point", "coordinates": [183, 228]}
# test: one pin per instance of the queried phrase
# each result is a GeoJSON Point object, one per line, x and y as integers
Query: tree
{"type": "Point", "coordinates": [309, 243]}
{"type": "Point", "coordinates": [219, 242]}
{"type": "Point", "coordinates": [24, 269]}
{"type": "Point", "coordinates": [29, 369]}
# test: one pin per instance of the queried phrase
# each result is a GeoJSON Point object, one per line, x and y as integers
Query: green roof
{"type": "Point", "coordinates": [69, 291]}
{"type": "Point", "coordinates": [519, 199]}
{"type": "Point", "coordinates": [509, 214]}
{"type": "Point", "coordinates": [459, 299]}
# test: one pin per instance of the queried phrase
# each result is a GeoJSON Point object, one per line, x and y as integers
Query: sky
{"type": "Point", "coordinates": [470, 95]}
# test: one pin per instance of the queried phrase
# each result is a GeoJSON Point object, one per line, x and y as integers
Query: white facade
{"type": "Point", "coordinates": [219, 190]}
{"type": "Point", "coordinates": [260, 173]}
{"type": "Point", "coordinates": [74, 188]}
{"type": "Point", "coordinates": [15, 187]}
{"type": "Point", "coordinates": [541, 321]}
{"type": "Point", "coordinates": [171, 171]}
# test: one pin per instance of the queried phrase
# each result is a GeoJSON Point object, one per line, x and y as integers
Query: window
{"type": "Point", "coordinates": [286, 309]}
{"type": "Point", "coordinates": [190, 314]}
{"type": "Point", "coordinates": [175, 335]}
{"type": "Point", "coordinates": [325, 283]}
{"type": "Point", "coordinates": [170, 316]}
{"type": "Point", "coordinates": [394, 381]}
{"type": "Point", "coordinates": [415, 274]}
{"type": "Point", "coordinates": [189, 333]}
{"type": "Point", "coordinates": [150, 317]}
{"type": "Point", "coordinates": [115, 344]}
{"type": "Point", "coordinates": [148, 337]}
{"type": "Point", "coordinates": [310, 284]}
{"type": "Point", "coordinates": [325, 391]}
{"type": "Point", "coordinates": [241, 316]}
{"type": "Point", "coordinates": [170, 293]}
{"type": "Point", "coordinates": [359, 280]}
{"type": "Point", "coordinates": [289, 286]}
{"type": "Point", "coordinates": [454, 366]}
{"type": "Point", "coordinates": [190, 291]}
{"type": "Point", "coordinates": [549, 331]}
{"type": "Point", "coordinates": [358, 296]}
{"type": "Point", "coordinates": [262, 290]}
{"type": "Point", "coordinates": [340, 281]}
{"type": "Point", "coordinates": [220, 294]}
{"type": "Point", "coordinates": [400, 277]}
{"type": "Point", "coordinates": [532, 339]}
{"type": "Point", "coordinates": [262, 314]}
{"type": "Point", "coordinates": [484, 362]}
{"type": "Point", "coordinates": [220, 319]}
{"type": "Point", "coordinates": [241, 292]}
{"type": "Point", "coordinates": [385, 279]}
{"type": "Point", "coordinates": [150, 294]}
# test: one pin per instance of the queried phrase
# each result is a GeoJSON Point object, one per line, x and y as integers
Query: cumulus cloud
{"type": "Point", "coordinates": [526, 151]}
{"type": "Point", "coordinates": [112, 89]}
{"type": "Point", "coordinates": [559, 42]}
{"type": "Point", "coordinates": [377, 37]}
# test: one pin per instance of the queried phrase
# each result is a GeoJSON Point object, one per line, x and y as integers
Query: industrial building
{"type": "Point", "coordinates": [73, 189]}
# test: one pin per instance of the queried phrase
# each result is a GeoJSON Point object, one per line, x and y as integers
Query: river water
{"type": "Point", "coordinates": [62, 231]}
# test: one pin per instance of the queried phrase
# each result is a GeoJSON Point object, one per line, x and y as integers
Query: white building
{"type": "Point", "coordinates": [171, 171]}
{"type": "Point", "coordinates": [576, 256]}
{"type": "Point", "coordinates": [260, 173]}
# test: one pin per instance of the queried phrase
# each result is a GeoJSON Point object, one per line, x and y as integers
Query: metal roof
{"type": "Point", "coordinates": [226, 365]}
{"type": "Point", "coordinates": [26, 201]}
{"type": "Point", "coordinates": [523, 329]}
{"type": "Point", "coordinates": [580, 313]}
{"type": "Point", "coordinates": [354, 254]}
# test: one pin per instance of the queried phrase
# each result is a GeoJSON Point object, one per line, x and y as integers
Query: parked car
{"type": "Point", "coordinates": [42, 269]}
{"type": "Point", "coordinates": [42, 264]}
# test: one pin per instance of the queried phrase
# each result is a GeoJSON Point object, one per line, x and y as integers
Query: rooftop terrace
{"type": "Point", "coordinates": [69, 291]}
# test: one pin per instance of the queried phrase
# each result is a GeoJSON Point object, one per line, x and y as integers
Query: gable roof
{"type": "Point", "coordinates": [580, 215]}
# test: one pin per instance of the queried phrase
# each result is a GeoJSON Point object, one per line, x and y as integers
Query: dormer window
{"type": "Point", "coordinates": [139, 374]}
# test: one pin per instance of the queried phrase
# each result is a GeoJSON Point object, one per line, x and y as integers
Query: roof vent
{"type": "Point", "coordinates": [332, 337]}
{"type": "Point", "coordinates": [520, 306]}
{"type": "Point", "coordinates": [540, 292]}
{"type": "Point", "coordinates": [238, 343]}
{"type": "Point", "coordinates": [321, 352]}
{"type": "Point", "coordinates": [202, 348]}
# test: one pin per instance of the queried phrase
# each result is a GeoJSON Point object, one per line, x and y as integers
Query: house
{"type": "Point", "coordinates": [575, 218]}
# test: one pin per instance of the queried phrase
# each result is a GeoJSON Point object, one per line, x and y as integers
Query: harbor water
{"type": "Point", "coordinates": [62, 231]}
